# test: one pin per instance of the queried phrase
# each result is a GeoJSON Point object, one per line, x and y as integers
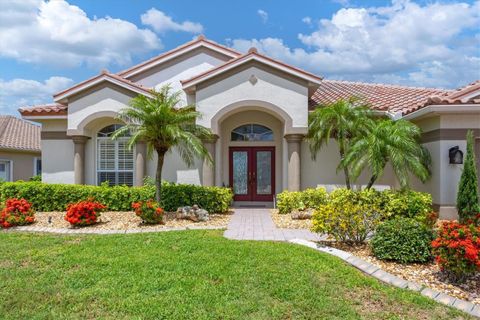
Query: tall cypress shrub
{"type": "Point", "coordinates": [467, 197]}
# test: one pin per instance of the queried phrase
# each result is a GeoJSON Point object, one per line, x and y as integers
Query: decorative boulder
{"type": "Point", "coordinates": [302, 215]}
{"type": "Point", "coordinates": [193, 213]}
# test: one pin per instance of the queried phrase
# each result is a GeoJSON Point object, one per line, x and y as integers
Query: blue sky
{"type": "Point", "coordinates": [46, 46]}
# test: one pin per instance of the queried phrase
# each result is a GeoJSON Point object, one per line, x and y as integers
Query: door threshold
{"type": "Point", "coordinates": [253, 204]}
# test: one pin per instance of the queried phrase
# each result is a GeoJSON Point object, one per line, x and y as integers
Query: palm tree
{"type": "Point", "coordinates": [397, 142]}
{"type": "Point", "coordinates": [163, 124]}
{"type": "Point", "coordinates": [342, 121]}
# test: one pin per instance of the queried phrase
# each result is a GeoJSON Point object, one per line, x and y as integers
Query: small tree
{"type": "Point", "coordinates": [163, 124]}
{"type": "Point", "coordinates": [342, 121]}
{"type": "Point", "coordinates": [467, 197]}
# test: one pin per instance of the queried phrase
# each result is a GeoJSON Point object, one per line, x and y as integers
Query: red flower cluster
{"type": "Point", "coordinates": [17, 212]}
{"type": "Point", "coordinates": [84, 213]}
{"type": "Point", "coordinates": [457, 248]}
{"type": "Point", "coordinates": [149, 211]}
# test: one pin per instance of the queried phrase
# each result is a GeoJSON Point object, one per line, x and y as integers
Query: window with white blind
{"type": "Point", "coordinates": [115, 162]}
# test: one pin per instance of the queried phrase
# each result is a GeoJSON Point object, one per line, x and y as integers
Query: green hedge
{"type": "Point", "coordinates": [288, 201]}
{"type": "Point", "coordinates": [55, 197]}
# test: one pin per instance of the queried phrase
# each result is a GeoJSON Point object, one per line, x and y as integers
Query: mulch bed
{"type": "Point", "coordinates": [286, 221]}
{"type": "Point", "coordinates": [128, 221]}
{"type": "Point", "coordinates": [427, 274]}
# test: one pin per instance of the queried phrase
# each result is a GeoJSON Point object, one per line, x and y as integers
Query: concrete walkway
{"type": "Point", "coordinates": [257, 224]}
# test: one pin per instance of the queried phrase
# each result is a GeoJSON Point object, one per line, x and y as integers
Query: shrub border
{"type": "Point", "coordinates": [376, 272]}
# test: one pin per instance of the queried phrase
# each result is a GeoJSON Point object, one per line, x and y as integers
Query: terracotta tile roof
{"type": "Point", "coordinates": [52, 109]}
{"type": "Point", "coordinates": [381, 97]}
{"type": "Point", "coordinates": [461, 95]}
{"type": "Point", "coordinates": [18, 134]}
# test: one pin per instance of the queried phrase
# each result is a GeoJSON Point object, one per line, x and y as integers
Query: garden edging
{"type": "Point", "coordinates": [87, 231]}
{"type": "Point", "coordinates": [389, 278]}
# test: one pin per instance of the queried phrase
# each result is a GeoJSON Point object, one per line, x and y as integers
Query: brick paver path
{"type": "Point", "coordinates": [257, 224]}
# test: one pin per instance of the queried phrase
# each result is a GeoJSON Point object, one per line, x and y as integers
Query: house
{"type": "Point", "coordinates": [257, 108]}
{"type": "Point", "coordinates": [20, 156]}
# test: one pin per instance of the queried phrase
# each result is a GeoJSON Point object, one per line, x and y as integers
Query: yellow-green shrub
{"type": "Point", "coordinates": [288, 201]}
{"type": "Point", "coordinates": [349, 216]}
{"type": "Point", "coordinates": [409, 204]}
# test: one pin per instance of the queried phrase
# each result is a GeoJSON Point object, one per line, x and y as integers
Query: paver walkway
{"type": "Point", "coordinates": [257, 224]}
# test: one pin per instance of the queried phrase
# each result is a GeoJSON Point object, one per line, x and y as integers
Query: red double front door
{"type": "Point", "coordinates": [252, 173]}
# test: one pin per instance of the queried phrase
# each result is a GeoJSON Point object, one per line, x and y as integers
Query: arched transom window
{"type": "Point", "coordinates": [115, 162]}
{"type": "Point", "coordinates": [252, 132]}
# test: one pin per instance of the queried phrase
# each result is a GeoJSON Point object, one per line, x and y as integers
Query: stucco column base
{"type": "Point", "coordinates": [140, 162]}
{"type": "Point", "coordinates": [79, 158]}
{"type": "Point", "coordinates": [208, 169]}
{"type": "Point", "coordinates": [294, 142]}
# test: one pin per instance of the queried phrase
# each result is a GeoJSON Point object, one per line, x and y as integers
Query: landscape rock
{"type": "Point", "coordinates": [193, 213]}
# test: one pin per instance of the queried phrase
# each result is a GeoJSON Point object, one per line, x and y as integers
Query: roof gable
{"type": "Point", "coordinates": [62, 96]}
{"type": "Point", "coordinates": [252, 55]}
{"type": "Point", "coordinates": [200, 42]}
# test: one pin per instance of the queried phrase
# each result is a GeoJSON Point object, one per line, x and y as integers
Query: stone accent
{"type": "Point", "coordinates": [79, 158]}
{"type": "Point", "coordinates": [294, 142]}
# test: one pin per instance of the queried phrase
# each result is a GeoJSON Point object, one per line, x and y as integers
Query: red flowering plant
{"type": "Point", "coordinates": [149, 211]}
{"type": "Point", "coordinates": [84, 213]}
{"type": "Point", "coordinates": [16, 212]}
{"type": "Point", "coordinates": [457, 248]}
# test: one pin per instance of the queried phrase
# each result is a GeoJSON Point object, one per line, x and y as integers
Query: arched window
{"type": "Point", "coordinates": [252, 132]}
{"type": "Point", "coordinates": [115, 162]}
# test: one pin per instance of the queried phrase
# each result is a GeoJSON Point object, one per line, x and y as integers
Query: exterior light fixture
{"type": "Point", "coordinates": [455, 155]}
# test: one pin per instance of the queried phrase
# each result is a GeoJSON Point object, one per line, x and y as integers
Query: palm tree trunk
{"type": "Point", "coordinates": [158, 177]}
{"type": "Point", "coordinates": [345, 168]}
{"type": "Point", "coordinates": [372, 181]}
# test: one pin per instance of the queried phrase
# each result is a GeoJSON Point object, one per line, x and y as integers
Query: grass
{"type": "Point", "coordinates": [190, 275]}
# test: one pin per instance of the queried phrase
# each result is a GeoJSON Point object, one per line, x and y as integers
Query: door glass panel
{"type": "Point", "coordinates": [264, 172]}
{"type": "Point", "coordinates": [240, 172]}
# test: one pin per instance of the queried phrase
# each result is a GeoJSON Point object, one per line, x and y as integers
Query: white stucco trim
{"type": "Point", "coordinates": [438, 109]}
{"type": "Point", "coordinates": [189, 85]}
{"type": "Point", "coordinates": [43, 117]}
{"type": "Point", "coordinates": [93, 82]}
{"type": "Point", "coordinates": [80, 130]}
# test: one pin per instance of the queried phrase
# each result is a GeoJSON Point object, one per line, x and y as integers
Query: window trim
{"type": "Point", "coordinates": [116, 158]}
{"type": "Point", "coordinates": [10, 162]}
{"type": "Point", "coordinates": [35, 166]}
{"type": "Point", "coordinates": [251, 124]}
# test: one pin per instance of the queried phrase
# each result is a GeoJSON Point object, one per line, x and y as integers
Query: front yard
{"type": "Point", "coordinates": [190, 275]}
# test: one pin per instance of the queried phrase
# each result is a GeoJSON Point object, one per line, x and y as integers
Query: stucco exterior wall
{"type": "Point", "coordinates": [22, 163]}
{"type": "Point", "coordinates": [289, 97]}
{"type": "Point", "coordinates": [57, 161]}
{"type": "Point", "coordinates": [195, 63]}
{"type": "Point", "coordinates": [323, 170]}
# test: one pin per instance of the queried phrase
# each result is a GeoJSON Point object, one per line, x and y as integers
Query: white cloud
{"type": "Point", "coordinates": [263, 15]}
{"type": "Point", "coordinates": [160, 22]}
{"type": "Point", "coordinates": [404, 43]}
{"type": "Point", "coordinates": [62, 35]}
{"type": "Point", "coordinates": [307, 20]}
{"type": "Point", "coordinates": [17, 93]}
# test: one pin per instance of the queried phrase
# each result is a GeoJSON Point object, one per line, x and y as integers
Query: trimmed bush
{"type": "Point", "coordinates": [149, 211]}
{"type": "Point", "coordinates": [405, 240]}
{"type": "Point", "coordinates": [457, 249]}
{"type": "Point", "coordinates": [349, 216]}
{"type": "Point", "coordinates": [289, 201]}
{"type": "Point", "coordinates": [56, 197]}
{"type": "Point", "coordinates": [16, 212]}
{"type": "Point", "coordinates": [409, 204]}
{"type": "Point", "coordinates": [84, 213]}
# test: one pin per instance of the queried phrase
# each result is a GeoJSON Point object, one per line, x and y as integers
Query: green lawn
{"type": "Point", "coordinates": [189, 275]}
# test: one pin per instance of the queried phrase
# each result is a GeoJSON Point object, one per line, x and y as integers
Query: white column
{"type": "Point", "coordinates": [208, 169]}
{"type": "Point", "coordinates": [293, 166]}
{"type": "Point", "coordinates": [79, 158]}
